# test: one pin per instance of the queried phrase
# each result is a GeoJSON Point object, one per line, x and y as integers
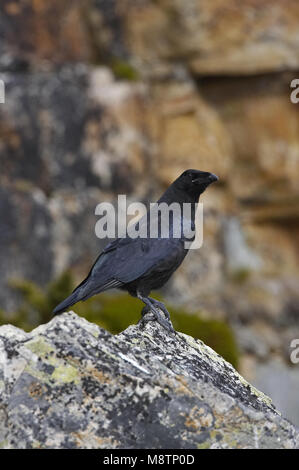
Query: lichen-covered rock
{"type": "Point", "coordinates": [71, 384]}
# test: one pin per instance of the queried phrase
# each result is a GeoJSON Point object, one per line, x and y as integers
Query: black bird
{"type": "Point", "coordinates": [139, 265]}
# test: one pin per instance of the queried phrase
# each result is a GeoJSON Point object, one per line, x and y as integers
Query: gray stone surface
{"type": "Point", "coordinates": [71, 384]}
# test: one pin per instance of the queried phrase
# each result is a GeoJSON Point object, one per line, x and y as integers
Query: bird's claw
{"type": "Point", "coordinates": [162, 307]}
{"type": "Point", "coordinates": [146, 317]}
{"type": "Point", "coordinates": [153, 314]}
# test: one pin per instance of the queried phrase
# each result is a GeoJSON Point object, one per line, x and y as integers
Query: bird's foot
{"type": "Point", "coordinates": [146, 316]}
{"type": "Point", "coordinates": [161, 306]}
{"type": "Point", "coordinates": [152, 314]}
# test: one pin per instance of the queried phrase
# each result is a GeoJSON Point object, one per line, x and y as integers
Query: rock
{"type": "Point", "coordinates": [71, 384]}
{"type": "Point", "coordinates": [76, 127]}
{"type": "Point", "coordinates": [226, 37]}
{"type": "Point", "coordinates": [48, 34]}
{"type": "Point", "coordinates": [210, 38]}
{"type": "Point", "coordinates": [222, 37]}
{"type": "Point", "coordinates": [190, 133]}
{"type": "Point", "coordinates": [237, 253]}
{"type": "Point", "coordinates": [261, 121]}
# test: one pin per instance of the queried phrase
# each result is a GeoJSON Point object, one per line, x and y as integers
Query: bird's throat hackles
{"type": "Point", "coordinates": [162, 220]}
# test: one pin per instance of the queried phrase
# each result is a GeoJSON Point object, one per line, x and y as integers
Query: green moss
{"type": "Point", "coordinates": [32, 310]}
{"type": "Point", "coordinates": [59, 289]}
{"type": "Point", "coordinates": [240, 276]}
{"type": "Point", "coordinates": [37, 303]}
{"type": "Point", "coordinates": [114, 313]}
{"type": "Point", "coordinates": [123, 70]}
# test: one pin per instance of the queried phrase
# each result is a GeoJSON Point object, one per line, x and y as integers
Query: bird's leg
{"type": "Point", "coordinates": [150, 306]}
{"type": "Point", "coordinates": [148, 312]}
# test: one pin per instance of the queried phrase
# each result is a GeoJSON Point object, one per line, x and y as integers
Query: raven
{"type": "Point", "coordinates": [139, 265]}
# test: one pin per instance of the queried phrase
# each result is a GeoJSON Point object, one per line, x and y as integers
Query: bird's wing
{"type": "Point", "coordinates": [126, 259]}
{"type": "Point", "coordinates": [102, 271]}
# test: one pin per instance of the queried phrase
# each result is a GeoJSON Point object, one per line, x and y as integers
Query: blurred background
{"type": "Point", "coordinates": [108, 97]}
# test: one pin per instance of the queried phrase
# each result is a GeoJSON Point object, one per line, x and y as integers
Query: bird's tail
{"type": "Point", "coordinates": [80, 293]}
{"type": "Point", "coordinates": [83, 291]}
{"type": "Point", "coordinates": [66, 303]}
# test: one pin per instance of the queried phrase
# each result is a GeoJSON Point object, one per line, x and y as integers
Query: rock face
{"type": "Point", "coordinates": [46, 32]}
{"type": "Point", "coordinates": [219, 37]}
{"type": "Point", "coordinates": [71, 384]}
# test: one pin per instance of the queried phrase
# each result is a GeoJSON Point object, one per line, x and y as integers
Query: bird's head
{"type": "Point", "coordinates": [194, 182]}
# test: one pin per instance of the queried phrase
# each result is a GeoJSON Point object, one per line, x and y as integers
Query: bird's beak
{"type": "Point", "coordinates": [210, 178]}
